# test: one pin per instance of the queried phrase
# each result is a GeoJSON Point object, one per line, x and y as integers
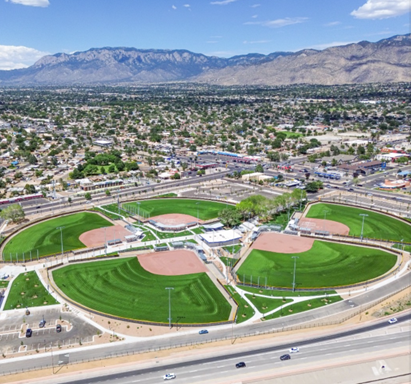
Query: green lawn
{"type": "Point", "coordinates": [376, 225]}
{"type": "Point", "coordinates": [3, 283]}
{"type": "Point", "coordinates": [324, 265]}
{"type": "Point", "coordinates": [197, 231]}
{"type": "Point", "coordinates": [227, 260]}
{"type": "Point", "coordinates": [230, 248]}
{"type": "Point", "coordinates": [278, 293]}
{"type": "Point", "coordinates": [111, 215]}
{"type": "Point", "coordinates": [46, 238]}
{"type": "Point", "coordinates": [123, 288]}
{"type": "Point", "coordinates": [206, 209]}
{"type": "Point", "coordinates": [27, 291]}
{"type": "Point", "coordinates": [264, 304]}
{"type": "Point", "coordinates": [303, 306]}
{"type": "Point", "coordinates": [245, 311]}
{"type": "Point", "coordinates": [114, 208]}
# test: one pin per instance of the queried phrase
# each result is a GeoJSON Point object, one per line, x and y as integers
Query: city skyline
{"type": "Point", "coordinates": [34, 28]}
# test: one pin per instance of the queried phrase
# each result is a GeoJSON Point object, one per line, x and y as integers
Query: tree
{"type": "Point", "coordinates": [30, 189]}
{"type": "Point", "coordinates": [334, 162]}
{"type": "Point", "coordinates": [87, 196]}
{"type": "Point", "coordinates": [273, 156]}
{"type": "Point", "coordinates": [112, 168]}
{"type": "Point", "coordinates": [259, 168]}
{"type": "Point", "coordinates": [69, 200]}
{"type": "Point", "coordinates": [230, 217]}
{"type": "Point", "coordinates": [108, 193]}
{"type": "Point", "coordinates": [32, 159]}
{"type": "Point", "coordinates": [13, 212]}
{"type": "Point", "coordinates": [314, 186]}
{"type": "Point", "coordinates": [176, 176]}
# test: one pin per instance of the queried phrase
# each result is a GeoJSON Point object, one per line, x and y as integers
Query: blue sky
{"type": "Point", "coordinates": [30, 29]}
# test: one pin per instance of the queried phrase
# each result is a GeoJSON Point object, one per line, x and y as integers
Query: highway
{"type": "Point", "coordinates": [356, 344]}
{"type": "Point", "coordinates": [297, 321]}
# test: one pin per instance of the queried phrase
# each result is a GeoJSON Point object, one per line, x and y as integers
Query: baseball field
{"type": "Point", "coordinates": [123, 288]}
{"type": "Point", "coordinates": [204, 209]}
{"type": "Point", "coordinates": [324, 265]}
{"type": "Point", "coordinates": [376, 225]}
{"type": "Point", "coordinates": [45, 237]}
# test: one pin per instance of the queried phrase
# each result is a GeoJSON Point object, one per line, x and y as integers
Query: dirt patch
{"type": "Point", "coordinates": [277, 242]}
{"type": "Point", "coordinates": [96, 237]}
{"type": "Point", "coordinates": [175, 219]}
{"type": "Point", "coordinates": [179, 262]}
{"type": "Point", "coordinates": [324, 225]}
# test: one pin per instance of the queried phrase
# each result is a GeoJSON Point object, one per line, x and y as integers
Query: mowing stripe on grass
{"type": "Point", "coordinates": [376, 225]}
{"type": "Point", "coordinates": [46, 238]}
{"type": "Point", "coordinates": [124, 288]}
{"type": "Point", "coordinates": [324, 265]}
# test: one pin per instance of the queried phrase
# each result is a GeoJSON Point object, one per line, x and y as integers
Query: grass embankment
{"type": "Point", "coordinates": [245, 311]}
{"type": "Point", "coordinates": [124, 288]}
{"type": "Point", "coordinates": [28, 291]}
{"type": "Point", "coordinates": [324, 265]}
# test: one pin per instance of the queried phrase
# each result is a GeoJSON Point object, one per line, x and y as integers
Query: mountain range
{"type": "Point", "coordinates": [388, 60]}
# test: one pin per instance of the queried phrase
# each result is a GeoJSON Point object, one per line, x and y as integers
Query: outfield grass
{"type": "Point", "coordinates": [245, 311]}
{"type": "Point", "coordinates": [28, 291]}
{"type": "Point", "coordinates": [46, 238]}
{"type": "Point", "coordinates": [206, 209]}
{"type": "Point", "coordinates": [123, 288]}
{"type": "Point", "coordinates": [303, 306]}
{"type": "Point", "coordinates": [324, 265]}
{"type": "Point", "coordinates": [376, 225]}
{"type": "Point", "coordinates": [114, 209]}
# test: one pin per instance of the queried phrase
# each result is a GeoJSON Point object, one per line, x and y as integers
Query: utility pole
{"type": "Point", "coordinates": [295, 265]}
{"type": "Point", "coordinates": [169, 305]}
{"type": "Point", "coordinates": [362, 226]}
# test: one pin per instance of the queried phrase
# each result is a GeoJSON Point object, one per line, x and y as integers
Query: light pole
{"type": "Point", "coordinates": [138, 212]}
{"type": "Point", "coordinates": [362, 226]}
{"type": "Point", "coordinates": [169, 305]}
{"type": "Point", "coordinates": [295, 265]}
{"type": "Point", "coordinates": [61, 241]}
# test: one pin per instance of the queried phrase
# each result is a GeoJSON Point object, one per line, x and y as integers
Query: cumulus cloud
{"type": "Point", "coordinates": [15, 57]}
{"type": "Point", "coordinates": [381, 9]}
{"type": "Point", "coordinates": [222, 2]}
{"type": "Point", "coordinates": [31, 3]}
{"type": "Point", "coordinates": [278, 23]}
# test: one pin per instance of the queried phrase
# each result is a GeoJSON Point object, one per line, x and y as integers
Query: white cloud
{"type": "Point", "coordinates": [31, 3]}
{"type": "Point", "coordinates": [14, 57]}
{"type": "Point", "coordinates": [255, 5]}
{"type": "Point", "coordinates": [174, 7]}
{"type": "Point", "coordinates": [278, 23]}
{"type": "Point", "coordinates": [257, 42]}
{"type": "Point", "coordinates": [222, 2]}
{"type": "Point", "coordinates": [381, 9]}
{"type": "Point", "coordinates": [254, 16]}
{"type": "Point", "coordinates": [332, 23]}
{"type": "Point", "coordinates": [186, 5]}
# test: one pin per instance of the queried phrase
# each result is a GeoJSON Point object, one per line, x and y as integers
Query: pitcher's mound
{"type": "Point", "coordinates": [171, 263]}
{"type": "Point", "coordinates": [324, 225]}
{"type": "Point", "coordinates": [277, 242]}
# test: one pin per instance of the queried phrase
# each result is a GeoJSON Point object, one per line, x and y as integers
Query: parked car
{"type": "Point", "coordinates": [58, 328]}
{"type": "Point", "coordinates": [240, 365]}
{"type": "Point", "coordinates": [169, 376]}
{"type": "Point", "coordinates": [294, 350]}
{"type": "Point", "coordinates": [203, 332]}
{"type": "Point", "coordinates": [29, 332]}
{"type": "Point", "coordinates": [285, 357]}
{"type": "Point", "coordinates": [42, 323]}
{"type": "Point", "coordinates": [393, 320]}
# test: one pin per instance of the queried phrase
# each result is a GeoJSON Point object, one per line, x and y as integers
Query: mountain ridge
{"type": "Point", "coordinates": [388, 60]}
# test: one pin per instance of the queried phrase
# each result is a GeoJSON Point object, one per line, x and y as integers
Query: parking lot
{"type": "Point", "coordinates": [13, 325]}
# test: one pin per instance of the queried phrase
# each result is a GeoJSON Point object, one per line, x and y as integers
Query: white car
{"type": "Point", "coordinates": [294, 350]}
{"type": "Point", "coordinates": [393, 320]}
{"type": "Point", "coordinates": [169, 376]}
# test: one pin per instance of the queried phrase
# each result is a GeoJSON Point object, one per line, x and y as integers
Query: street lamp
{"type": "Point", "coordinates": [362, 226]}
{"type": "Point", "coordinates": [295, 265]}
{"type": "Point", "coordinates": [169, 305]}
{"type": "Point", "coordinates": [61, 240]}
